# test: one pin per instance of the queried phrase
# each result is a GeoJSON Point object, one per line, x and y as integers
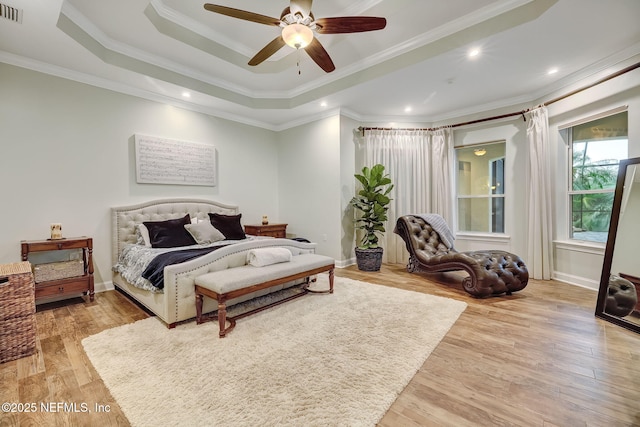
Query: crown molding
{"type": "Point", "coordinates": [56, 71]}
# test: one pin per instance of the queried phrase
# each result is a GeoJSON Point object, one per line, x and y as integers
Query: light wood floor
{"type": "Point", "coordinates": [536, 358]}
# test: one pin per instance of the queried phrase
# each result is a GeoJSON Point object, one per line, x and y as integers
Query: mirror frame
{"type": "Point", "coordinates": [608, 253]}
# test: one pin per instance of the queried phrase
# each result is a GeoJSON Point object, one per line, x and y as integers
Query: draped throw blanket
{"type": "Point", "coordinates": [440, 226]}
{"type": "Point", "coordinates": [154, 272]}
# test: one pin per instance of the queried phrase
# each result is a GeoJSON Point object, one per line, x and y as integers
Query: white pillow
{"type": "Point", "coordinates": [203, 232]}
{"type": "Point", "coordinates": [144, 233]}
{"type": "Point", "coordinates": [262, 257]}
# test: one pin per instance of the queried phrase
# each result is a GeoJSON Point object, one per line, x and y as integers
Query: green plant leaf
{"type": "Point", "coordinates": [372, 202]}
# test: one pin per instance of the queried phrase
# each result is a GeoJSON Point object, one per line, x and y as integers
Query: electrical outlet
{"type": "Point", "coordinates": [324, 237]}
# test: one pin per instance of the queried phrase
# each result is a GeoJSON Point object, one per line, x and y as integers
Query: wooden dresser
{"type": "Point", "coordinates": [272, 230]}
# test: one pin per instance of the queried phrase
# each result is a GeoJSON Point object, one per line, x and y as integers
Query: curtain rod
{"type": "Point", "coordinates": [517, 113]}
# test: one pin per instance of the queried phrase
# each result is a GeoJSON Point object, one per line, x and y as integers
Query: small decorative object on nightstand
{"type": "Point", "coordinates": [66, 277]}
{"type": "Point", "coordinates": [272, 230]}
{"type": "Point", "coordinates": [56, 231]}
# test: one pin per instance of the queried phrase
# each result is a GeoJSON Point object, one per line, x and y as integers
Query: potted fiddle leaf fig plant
{"type": "Point", "coordinates": [372, 202]}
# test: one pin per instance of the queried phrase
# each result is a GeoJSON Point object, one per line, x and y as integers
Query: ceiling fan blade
{"type": "Point", "coordinates": [301, 6]}
{"type": "Point", "coordinates": [349, 24]}
{"type": "Point", "coordinates": [320, 56]}
{"type": "Point", "coordinates": [242, 14]}
{"type": "Point", "coordinates": [267, 51]}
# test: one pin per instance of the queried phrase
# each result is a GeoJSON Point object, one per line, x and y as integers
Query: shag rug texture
{"type": "Point", "coordinates": [336, 359]}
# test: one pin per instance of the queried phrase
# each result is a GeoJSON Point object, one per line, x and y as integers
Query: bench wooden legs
{"type": "Point", "coordinates": [201, 292]}
{"type": "Point", "coordinates": [222, 319]}
{"type": "Point", "coordinates": [329, 291]}
{"type": "Point", "coordinates": [222, 311]}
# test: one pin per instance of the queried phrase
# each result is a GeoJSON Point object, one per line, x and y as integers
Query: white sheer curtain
{"type": "Point", "coordinates": [539, 251]}
{"type": "Point", "coordinates": [442, 148]}
{"type": "Point", "coordinates": [418, 163]}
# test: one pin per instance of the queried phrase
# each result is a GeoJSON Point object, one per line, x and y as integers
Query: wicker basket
{"type": "Point", "coordinates": [369, 259]}
{"type": "Point", "coordinates": [58, 270]}
{"type": "Point", "coordinates": [17, 311]}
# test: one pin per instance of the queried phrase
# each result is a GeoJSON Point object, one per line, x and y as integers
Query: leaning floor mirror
{"type": "Point", "coordinates": [619, 293]}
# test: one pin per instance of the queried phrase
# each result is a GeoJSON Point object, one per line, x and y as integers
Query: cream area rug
{"type": "Point", "coordinates": [336, 359]}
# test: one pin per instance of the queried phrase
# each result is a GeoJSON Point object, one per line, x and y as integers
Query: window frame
{"type": "Point", "coordinates": [570, 181]}
{"type": "Point", "coordinates": [489, 196]}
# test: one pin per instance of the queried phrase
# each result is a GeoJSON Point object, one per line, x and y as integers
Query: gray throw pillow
{"type": "Point", "coordinates": [203, 232]}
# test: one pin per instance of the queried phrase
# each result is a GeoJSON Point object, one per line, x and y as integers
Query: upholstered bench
{"type": "Point", "coordinates": [225, 285]}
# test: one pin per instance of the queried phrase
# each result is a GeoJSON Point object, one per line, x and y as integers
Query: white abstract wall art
{"type": "Point", "coordinates": [169, 161]}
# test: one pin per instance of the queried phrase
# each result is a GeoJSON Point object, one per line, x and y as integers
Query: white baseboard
{"type": "Point", "coordinates": [345, 263]}
{"type": "Point", "coordinates": [583, 282]}
{"type": "Point", "coordinates": [103, 287]}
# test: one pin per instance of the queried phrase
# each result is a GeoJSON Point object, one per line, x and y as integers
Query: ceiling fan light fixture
{"type": "Point", "coordinates": [297, 36]}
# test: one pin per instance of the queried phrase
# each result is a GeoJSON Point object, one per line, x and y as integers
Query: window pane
{"type": "Point", "coordinates": [497, 215]}
{"type": "Point", "coordinates": [590, 215]}
{"type": "Point", "coordinates": [477, 169]}
{"type": "Point", "coordinates": [596, 150]}
{"type": "Point", "coordinates": [497, 176]}
{"type": "Point", "coordinates": [481, 215]}
{"type": "Point", "coordinates": [595, 163]}
{"type": "Point", "coordinates": [480, 175]}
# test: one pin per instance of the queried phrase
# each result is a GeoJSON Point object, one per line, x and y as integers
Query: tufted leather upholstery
{"type": "Point", "coordinates": [621, 297]}
{"type": "Point", "coordinates": [491, 272]}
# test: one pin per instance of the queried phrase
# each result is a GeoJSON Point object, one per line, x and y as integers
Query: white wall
{"type": "Point", "coordinates": [66, 155]}
{"type": "Point", "coordinates": [349, 137]}
{"type": "Point", "coordinates": [581, 262]}
{"type": "Point", "coordinates": [309, 182]}
{"type": "Point", "coordinates": [574, 262]}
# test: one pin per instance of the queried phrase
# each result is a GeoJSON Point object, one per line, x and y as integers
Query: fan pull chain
{"type": "Point", "coordinates": [298, 61]}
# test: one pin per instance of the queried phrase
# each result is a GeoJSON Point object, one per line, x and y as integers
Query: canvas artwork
{"type": "Point", "coordinates": [168, 161]}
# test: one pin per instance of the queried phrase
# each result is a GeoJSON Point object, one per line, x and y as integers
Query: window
{"type": "Point", "coordinates": [481, 188]}
{"type": "Point", "coordinates": [595, 149]}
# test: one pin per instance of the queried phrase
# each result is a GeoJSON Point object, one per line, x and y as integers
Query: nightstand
{"type": "Point", "coordinates": [272, 230]}
{"type": "Point", "coordinates": [62, 286]}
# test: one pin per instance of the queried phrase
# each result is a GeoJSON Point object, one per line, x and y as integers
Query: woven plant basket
{"type": "Point", "coordinates": [369, 259]}
{"type": "Point", "coordinates": [17, 311]}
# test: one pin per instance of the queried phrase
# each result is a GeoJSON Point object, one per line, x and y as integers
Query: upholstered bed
{"type": "Point", "coordinates": [176, 301]}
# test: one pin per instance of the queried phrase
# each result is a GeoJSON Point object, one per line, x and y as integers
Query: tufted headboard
{"type": "Point", "coordinates": [125, 219]}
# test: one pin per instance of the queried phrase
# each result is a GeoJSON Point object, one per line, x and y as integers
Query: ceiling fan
{"type": "Point", "coordinates": [298, 25]}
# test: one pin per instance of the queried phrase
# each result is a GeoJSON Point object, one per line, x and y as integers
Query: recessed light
{"type": "Point", "coordinates": [474, 52]}
{"type": "Point", "coordinates": [186, 95]}
{"type": "Point", "coordinates": [407, 109]}
{"type": "Point", "coordinates": [323, 104]}
{"type": "Point", "coordinates": [552, 71]}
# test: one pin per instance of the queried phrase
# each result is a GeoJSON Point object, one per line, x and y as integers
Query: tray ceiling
{"type": "Point", "coordinates": [415, 70]}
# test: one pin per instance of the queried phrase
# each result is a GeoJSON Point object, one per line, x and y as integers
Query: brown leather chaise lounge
{"type": "Point", "coordinates": [491, 272]}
